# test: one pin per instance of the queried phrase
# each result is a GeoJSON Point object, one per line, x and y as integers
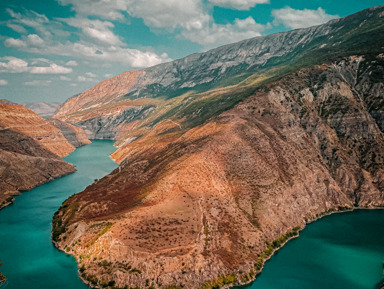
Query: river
{"type": "Point", "coordinates": [339, 251]}
{"type": "Point", "coordinates": [30, 261]}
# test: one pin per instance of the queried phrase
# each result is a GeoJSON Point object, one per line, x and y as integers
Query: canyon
{"type": "Point", "coordinates": [226, 155]}
{"type": "Point", "coordinates": [31, 150]}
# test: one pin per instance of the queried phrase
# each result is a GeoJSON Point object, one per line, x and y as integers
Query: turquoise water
{"type": "Point", "coordinates": [30, 261]}
{"type": "Point", "coordinates": [339, 251]}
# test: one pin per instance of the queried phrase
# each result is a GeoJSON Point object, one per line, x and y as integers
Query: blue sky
{"type": "Point", "coordinates": [53, 49]}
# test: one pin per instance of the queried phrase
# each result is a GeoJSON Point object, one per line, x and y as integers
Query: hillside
{"type": "Point", "coordinates": [30, 150]}
{"type": "Point", "coordinates": [212, 180]}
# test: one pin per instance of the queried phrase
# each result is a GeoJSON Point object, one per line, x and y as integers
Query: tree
{"type": "Point", "coordinates": [2, 277]}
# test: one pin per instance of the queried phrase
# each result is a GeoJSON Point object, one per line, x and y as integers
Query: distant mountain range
{"type": "Point", "coordinates": [225, 155]}
{"type": "Point", "coordinates": [44, 109]}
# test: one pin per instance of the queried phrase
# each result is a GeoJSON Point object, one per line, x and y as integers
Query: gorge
{"type": "Point", "coordinates": [225, 155]}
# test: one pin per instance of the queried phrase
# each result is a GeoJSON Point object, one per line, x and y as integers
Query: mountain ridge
{"type": "Point", "coordinates": [245, 58]}
{"type": "Point", "coordinates": [211, 183]}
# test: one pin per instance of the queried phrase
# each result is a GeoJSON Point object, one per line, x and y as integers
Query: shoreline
{"type": "Point", "coordinates": [248, 283]}
{"type": "Point", "coordinates": [243, 284]}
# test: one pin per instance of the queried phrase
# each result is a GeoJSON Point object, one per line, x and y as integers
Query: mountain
{"type": "Point", "coordinates": [74, 135]}
{"type": "Point", "coordinates": [219, 168]}
{"type": "Point", "coordinates": [107, 109]}
{"type": "Point", "coordinates": [44, 109]}
{"type": "Point", "coordinates": [30, 151]}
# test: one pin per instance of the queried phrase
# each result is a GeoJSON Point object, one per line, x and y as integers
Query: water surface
{"type": "Point", "coordinates": [30, 261]}
{"type": "Point", "coordinates": [336, 252]}
{"type": "Point", "coordinates": [339, 251]}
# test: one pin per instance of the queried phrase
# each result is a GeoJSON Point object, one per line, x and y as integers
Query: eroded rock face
{"type": "Point", "coordinates": [20, 119]}
{"type": "Point", "coordinates": [29, 151]}
{"type": "Point", "coordinates": [74, 135]}
{"type": "Point", "coordinates": [188, 207]}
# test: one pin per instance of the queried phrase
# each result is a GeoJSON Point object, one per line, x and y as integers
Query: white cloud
{"type": "Point", "coordinates": [238, 4]}
{"type": "Point", "coordinates": [64, 78]}
{"type": "Point", "coordinates": [294, 19]}
{"type": "Point", "coordinates": [71, 63]}
{"type": "Point", "coordinates": [51, 69]}
{"type": "Point", "coordinates": [188, 14]}
{"type": "Point", "coordinates": [73, 84]}
{"type": "Point", "coordinates": [96, 29]}
{"type": "Point", "coordinates": [90, 74]}
{"type": "Point", "coordinates": [17, 28]}
{"type": "Point", "coordinates": [29, 41]}
{"type": "Point", "coordinates": [35, 40]}
{"type": "Point", "coordinates": [110, 9]}
{"type": "Point", "coordinates": [189, 18]}
{"type": "Point", "coordinates": [82, 78]}
{"type": "Point", "coordinates": [13, 65]}
{"type": "Point", "coordinates": [17, 65]}
{"type": "Point", "coordinates": [32, 19]}
{"type": "Point", "coordinates": [3, 82]}
{"type": "Point", "coordinates": [38, 83]}
{"type": "Point", "coordinates": [108, 75]}
{"type": "Point", "coordinates": [216, 34]}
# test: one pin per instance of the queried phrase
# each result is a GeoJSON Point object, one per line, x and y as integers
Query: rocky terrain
{"type": "Point", "coordinates": [212, 182]}
{"type": "Point", "coordinates": [74, 135]}
{"type": "Point", "coordinates": [30, 151]}
{"type": "Point", "coordinates": [44, 109]}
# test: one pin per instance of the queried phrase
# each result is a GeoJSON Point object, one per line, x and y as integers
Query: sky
{"type": "Point", "coordinates": [51, 50]}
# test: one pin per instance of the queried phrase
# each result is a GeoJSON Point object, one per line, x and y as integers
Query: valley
{"type": "Point", "coordinates": [221, 158]}
{"type": "Point", "coordinates": [212, 180]}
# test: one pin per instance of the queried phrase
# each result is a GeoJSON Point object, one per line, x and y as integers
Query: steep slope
{"type": "Point", "coordinates": [29, 151]}
{"type": "Point", "coordinates": [20, 119]}
{"type": "Point", "coordinates": [106, 110]}
{"type": "Point", "coordinates": [205, 207]}
{"type": "Point", "coordinates": [74, 135]}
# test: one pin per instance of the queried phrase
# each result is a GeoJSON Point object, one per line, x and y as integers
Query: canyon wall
{"type": "Point", "coordinates": [192, 208]}
{"type": "Point", "coordinates": [30, 151]}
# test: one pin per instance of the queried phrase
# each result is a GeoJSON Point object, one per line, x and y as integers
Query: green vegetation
{"type": "Point", "coordinates": [57, 224]}
{"type": "Point", "coordinates": [277, 243]}
{"type": "Point", "coordinates": [3, 278]}
{"type": "Point", "coordinates": [106, 225]}
{"type": "Point", "coordinates": [220, 281]}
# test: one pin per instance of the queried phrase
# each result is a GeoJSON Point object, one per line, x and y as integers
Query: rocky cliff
{"type": "Point", "coordinates": [74, 134]}
{"type": "Point", "coordinates": [29, 151]}
{"type": "Point", "coordinates": [211, 182]}
{"type": "Point", "coordinates": [195, 207]}
{"type": "Point", "coordinates": [20, 119]}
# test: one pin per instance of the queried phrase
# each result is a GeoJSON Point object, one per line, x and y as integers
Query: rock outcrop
{"type": "Point", "coordinates": [20, 119]}
{"type": "Point", "coordinates": [210, 183]}
{"type": "Point", "coordinates": [30, 151]}
{"type": "Point", "coordinates": [74, 134]}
